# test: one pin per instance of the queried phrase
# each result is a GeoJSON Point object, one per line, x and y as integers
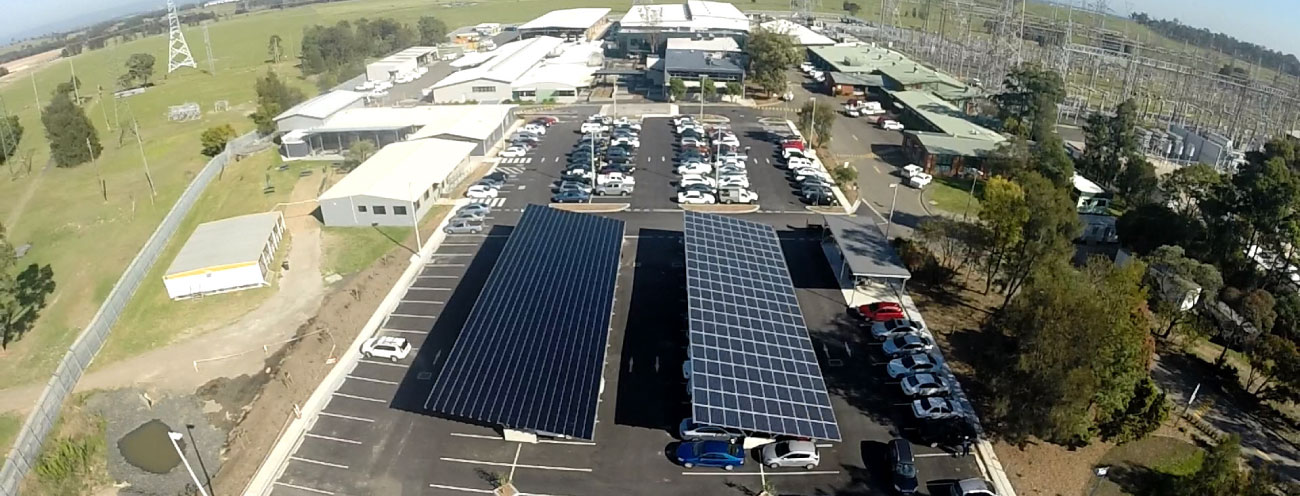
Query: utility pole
{"type": "Point", "coordinates": [103, 110]}
{"type": "Point", "coordinates": [135, 129]}
{"type": "Point", "coordinates": [76, 85]}
{"type": "Point", "coordinates": [36, 93]}
{"type": "Point", "coordinates": [207, 45]}
{"type": "Point", "coordinates": [99, 177]}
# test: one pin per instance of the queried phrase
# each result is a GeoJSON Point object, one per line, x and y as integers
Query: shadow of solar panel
{"type": "Point", "coordinates": [752, 362]}
{"type": "Point", "coordinates": [531, 353]}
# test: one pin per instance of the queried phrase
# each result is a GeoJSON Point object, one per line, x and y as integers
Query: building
{"type": "Point", "coordinates": [397, 185]}
{"type": "Point", "coordinates": [692, 66]}
{"type": "Point", "coordinates": [803, 35]}
{"type": "Point", "coordinates": [540, 68]}
{"type": "Point", "coordinates": [847, 84]}
{"type": "Point", "coordinates": [646, 28]}
{"type": "Point", "coordinates": [1089, 198]}
{"type": "Point", "coordinates": [707, 45]}
{"type": "Point", "coordinates": [897, 71]}
{"type": "Point", "coordinates": [481, 125]}
{"type": "Point", "coordinates": [403, 62]}
{"type": "Point", "coordinates": [226, 255]}
{"type": "Point", "coordinates": [585, 24]}
{"type": "Point", "coordinates": [940, 138]}
{"type": "Point", "coordinates": [317, 110]}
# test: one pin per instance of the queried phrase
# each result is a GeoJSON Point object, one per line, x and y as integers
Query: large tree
{"type": "Point", "coordinates": [22, 293]}
{"type": "Point", "coordinates": [1004, 212]}
{"type": "Point", "coordinates": [815, 122]}
{"type": "Point", "coordinates": [771, 54]}
{"type": "Point", "coordinates": [273, 97]}
{"type": "Point", "coordinates": [213, 140]}
{"type": "Point", "coordinates": [139, 69]}
{"type": "Point", "coordinates": [1047, 236]}
{"type": "Point", "coordinates": [1171, 272]}
{"type": "Point", "coordinates": [432, 30]}
{"type": "Point", "coordinates": [11, 134]}
{"type": "Point", "coordinates": [1187, 187]}
{"type": "Point", "coordinates": [1027, 104]}
{"type": "Point", "coordinates": [73, 139]}
{"type": "Point", "coordinates": [1111, 146]}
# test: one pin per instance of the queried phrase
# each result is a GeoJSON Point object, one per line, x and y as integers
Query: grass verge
{"type": "Point", "coordinates": [9, 424]}
{"type": "Point", "coordinates": [73, 460]}
{"type": "Point", "coordinates": [951, 194]}
{"type": "Point", "coordinates": [1145, 466]}
{"type": "Point", "coordinates": [348, 250]}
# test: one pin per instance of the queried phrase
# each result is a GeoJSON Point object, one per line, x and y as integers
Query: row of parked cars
{"type": "Point", "coordinates": [469, 218]}
{"type": "Point", "coordinates": [711, 164]}
{"type": "Point", "coordinates": [527, 137]}
{"type": "Point", "coordinates": [806, 173]}
{"type": "Point", "coordinates": [908, 344]}
{"type": "Point", "coordinates": [601, 162]}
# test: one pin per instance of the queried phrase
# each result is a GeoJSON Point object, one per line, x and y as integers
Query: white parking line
{"type": "Point", "coordinates": [379, 381]}
{"type": "Point", "coordinates": [500, 464]}
{"type": "Point", "coordinates": [363, 398]}
{"type": "Point", "coordinates": [827, 445]}
{"type": "Point", "coordinates": [437, 277]}
{"type": "Point", "coordinates": [453, 255]}
{"type": "Point", "coordinates": [328, 438]}
{"type": "Point", "coordinates": [318, 462]}
{"type": "Point", "coordinates": [934, 455]}
{"type": "Point", "coordinates": [458, 244]}
{"type": "Point", "coordinates": [431, 289]}
{"type": "Point", "coordinates": [304, 488]}
{"type": "Point", "coordinates": [462, 489]}
{"type": "Point", "coordinates": [421, 301]}
{"type": "Point", "coordinates": [348, 417]}
{"type": "Point", "coordinates": [769, 474]}
{"type": "Point", "coordinates": [475, 436]}
{"type": "Point", "coordinates": [443, 265]}
{"type": "Point", "coordinates": [411, 315]}
{"type": "Point", "coordinates": [404, 331]}
{"type": "Point", "coordinates": [574, 443]}
{"type": "Point", "coordinates": [390, 364]}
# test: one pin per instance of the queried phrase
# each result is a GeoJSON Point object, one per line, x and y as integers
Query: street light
{"type": "Point", "coordinates": [176, 436]}
{"type": "Point", "coordinates": [975, 178]}
{"type": "Point", "coordinates": [892, 203]}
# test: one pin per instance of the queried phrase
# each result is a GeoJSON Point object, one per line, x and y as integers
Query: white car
{"type": "Point", "coordinates": [694, 168]}
{"type": "Point", "coordinates": [591, 127]}
{"type": "Point", "coordinates": [691, 142]}
{"type": "Point", "coordinates": [688, 430]}
{"type": "Point", "coordinates": [727, 140]}
{"type": "Point", "coordinates": [787, 96]}
{"type": "Point", "coordinates": [480, 191]}
{"type": "Point", "coordinates": [791, 454]}
{"type": "Point", "coordinates": [729, 170]}
{"type": "Point", "coordinates": [535, 129]}
{"type": "Point", "coordinates": [911, 170]}
{"type": "Point", "coordinates": [479, 209]}
{"type": "Point", "coordinates": [882, 330]}
{"type": "Point", "coordinates": [816, 74]}
{"type": "Point", "coordinates": [924, 385]}
{"type": "Point", "coordinates": [806, 67]}
{"type": "Point", "coordinates": [735, 156]}
{"type": "Point", "coordinates": [733, 182]}
{"type": "Point", "coordinates": [793, 162]}
{"type": "Point", "coordinates": [514, 151]}
{"type": "Point", "coordinates": [910, 364]}
{"type": "Point", "coordinates": [738, 195]}
{"type": "Point", "coordinates": [630, 124]}
{"type": "Point", "coordinates": [681, 128]}
{"type": "Point", "coordinates": [932, 408]}
{"type": "Point", "coordinates": [804, 174]}
{"type": "Point", "coordinates": [693, 179]}
{"type": "Point", "coordinates": [391, 347]}
{"type": "Point", "coordinates": [695, 198]}
{"type": "Point", "coordinates": [891, 125]}
{"type": "Point", "coordinates": [907, 343]}
{"type": "Point", "coordinates": [615, 177]}
{"type": "Point", "coordinates": [920, 180]}
{"type": "Point", "coordinates": [631, 141]}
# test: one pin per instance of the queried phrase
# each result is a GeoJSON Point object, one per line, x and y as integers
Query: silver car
{"type": "Point", "coordinates": [691, 431]}
{"type": "Point", "coordinates": [463, 226]}
{"type": "Point", "coordinates": [791, 454]}
{"type": "Point", "coordinates": [480, 209]}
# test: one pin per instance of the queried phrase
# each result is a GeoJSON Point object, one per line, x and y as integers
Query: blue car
{"type": "Point", "coordinates": [723, 454]}
{"type": "Point", "coordinates": [570, 197]}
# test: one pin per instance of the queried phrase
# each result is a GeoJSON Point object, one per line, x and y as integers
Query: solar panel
{"type": "Point", "coordinates": [532, 349]}
{"type": "Point", "coordinates": [752, 362]}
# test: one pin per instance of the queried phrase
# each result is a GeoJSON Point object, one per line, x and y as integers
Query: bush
{"type": "Point", "coordinates": [65, 467]}
{"type": "Point", "coordinates": [1143, 415]}
{"type": "Point", "coordinates": [923, 265]}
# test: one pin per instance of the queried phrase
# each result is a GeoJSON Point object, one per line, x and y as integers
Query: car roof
{"type": "Point", "coordinates": [969, 485]}
{"type": "Point", "coordinates": [806, 446]}
{"type": "Point", "coordinates": [902, 448]}
{"type": "Point", "coordinates": [391, 340]}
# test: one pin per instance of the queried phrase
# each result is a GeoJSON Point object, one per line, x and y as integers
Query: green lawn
{"type": "Point", "coordinates": [1140, 468]}
{"type": "Point", "coordinates": [952, 194]}
{"type": "Point", "coordinates": [9, 425]}
{"type": "Point", "coordinates": [350, 249]}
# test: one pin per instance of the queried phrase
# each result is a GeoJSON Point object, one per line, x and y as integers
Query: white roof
{"type": "Point", "coordinates": [232, 241]}
{"type": "Point", "coordinates": [567, 19]}
{"type": "Point", "coordinates": [694, 15]}
{"type": "Point", "coordinates": [467, 121]}
{"type": "Point", "coordinates": [803, 35]}
{"type": "Point", "coordinates": [575, 66]}
{"type": "Point", "coordinates": [324, 105]}
{"type": "Point", "coordinates": [508, 62]}
{"type": "Point", "coordinates": [472, 59]}
{"type": "Point", "coordinates": [1084, 185]}
{"type": "Point", "coordinates": [721, 44]}
{"type": "Point", "coordinates": [402, 171]}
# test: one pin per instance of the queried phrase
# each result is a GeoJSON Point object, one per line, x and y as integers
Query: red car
{"type": "Point", "coordinates": [546, 120]}
{"type": "Point", "coordinates": [880, 311]}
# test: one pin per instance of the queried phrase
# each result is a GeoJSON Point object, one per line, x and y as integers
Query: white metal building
{"type": "Point", "coordinates": [532, 69]}
{"type": "Point", "coordinates": [405, 61]}
{"type": "Point", "coordinates": [711, 45]}
{"type": "Point", "coordinates": [225, 255]}
{"type": "Point", "coordinates": [401, 180]}
{"type": "Point", "coordinates": [645, 27]}
{"type": "Point", "coordinates": [582, 23]}
{"type": "Point", "coordinates": [803, 35]}
{"type": "Point", "coordinates": [315, 111]}
{"type": "Point", "coordinates": [482, 125]}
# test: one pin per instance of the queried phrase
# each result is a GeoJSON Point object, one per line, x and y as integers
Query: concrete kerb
{"type": "Point", "coordinates": [276, 461]}
{"type": "Point", "coordinates": [592, 208]}
{"type": "Point", "coordinates": [721, 209]}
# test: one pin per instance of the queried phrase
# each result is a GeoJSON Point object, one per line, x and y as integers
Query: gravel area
{"type": "Point", "coordinates": [124, 410]}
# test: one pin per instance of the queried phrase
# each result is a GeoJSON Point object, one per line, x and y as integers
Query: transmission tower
{"type": "Point", "coordinates": [207, 44]}
{"type": "Point", "coordinates": [178, 51]}
{"type": "Point", "coordinates": [1007, 42]}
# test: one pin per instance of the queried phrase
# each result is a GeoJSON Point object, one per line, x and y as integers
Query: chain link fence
{"type": "Point", "coordinates": [25, 454]}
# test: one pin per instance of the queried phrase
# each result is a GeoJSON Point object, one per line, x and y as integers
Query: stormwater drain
{"type": "Point", "coordinates": [148, 448]}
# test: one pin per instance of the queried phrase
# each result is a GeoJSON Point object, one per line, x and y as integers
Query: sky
{"type": "Point", "coordinates": [1267, 22]}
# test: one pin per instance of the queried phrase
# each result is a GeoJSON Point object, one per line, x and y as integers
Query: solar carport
{"type": "Point", "coordinates": [753, 366]}
{"type": "Point", "coordinates": [863, 252]}
{"type": "Point", "coordinates": [530, 355]}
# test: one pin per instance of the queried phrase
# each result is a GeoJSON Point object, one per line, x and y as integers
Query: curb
{"type": "Point", "coordinates": [592, 208]}
{"type": "Point", "coordinates": [721, 209]}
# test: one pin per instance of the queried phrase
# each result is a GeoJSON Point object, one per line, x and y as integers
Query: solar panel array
{"type": "Point", "coordinates": [532, 349]}
{"type": "Point", "coordinates": [752, 362]}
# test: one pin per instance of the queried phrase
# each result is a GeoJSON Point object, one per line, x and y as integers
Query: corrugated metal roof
{"type": "Point", "coordinates": [803, 35]}
{"type": "Point", "coordinates": [857, 59]}
{"type": "Point", "coordinates": [582, 18]}
{"type": "Point", "coordinates": [232, 241]}
{"type": "Point", "coordinates": [720, 44]}
{"type": "Point", "coordinates": [694, 15]}
{"type": "Point", "coordinates": [856, 79]}
{"type": "Point", "coordinates": [402, 171]}
{"type": "Point", "coordinates": [946, 144]}
{"type": "Point", "coordinates": [943, 115]}
{"type": "Point", "coordinates": [468, 121]}
{"type": "Point", "coordinates": [865, 248]}
{"type": "Point", "coordinates": [324, 105]}
{"type": "Point", "coordinates": [511, 61]}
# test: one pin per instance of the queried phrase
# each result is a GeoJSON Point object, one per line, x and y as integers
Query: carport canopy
{"type": "Point", "coordinates": [531, 353]}
{"type": "Point", "coordinates": [864, 248]}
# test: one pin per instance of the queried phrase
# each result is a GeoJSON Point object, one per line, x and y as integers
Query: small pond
{"type": "Point", "coordinates": [148, 448]}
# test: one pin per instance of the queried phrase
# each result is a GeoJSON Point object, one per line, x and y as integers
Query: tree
{"type": "Point", "coordinates": [1170, 273]}
{"type": "Point", "coordinates": [1004, 213]}
{"type": "Point", "coordinates": [707, 88]}
{"type": "Point", "coordinates": [1267, 356]}
{"type": "Point", "coordinates": [273, 97]}
{"type": "Point", "coordinates": [214, 139]}
{"type": "Point", "coordinates": [1027, 104]}
{"type": "Point", "coordinates": [845, 174]}
{"type": "Point", "coordinates": [4, 71]}
{"type": "Point", "coordinates": [815, 122]}
{"type": "Point", "coordinates": [1257, 308]}
{"type": "Point", "coordinates": [1145, 412]}
{"type": "Point", "coordinates": [22, 294]}
{"type": "Point", "coordinates": [1151, 226]}
{"type": "Point", "coordinates": [1138, 182]}
{"type": "Point", "coordinates": [358, 152]}
{"type": "Point", "coordinates": [735, 89]}
{"type": "Point", "coordinates": [1187, 187]}
{"type": "Point", "coordinates": [275, 48]}
{"type": "Point", "coordinates": [139, 69]}
{"type": "Point", "coordinates": [771, 54]}
{"type": "Point", "coordinates": [852, 8]}
{"type": "Point", "coordinates": [432, 30]}
{"type": "Point", "coordinates": [676, 88]}
{"type": "Point", "coordinates": [1047, 236]}
{"type": "Point", "coordinates": [11, 134]}
{"type": "Point", "coordinates": [955, 243]}
{"type": "Point", "coordinates": [1011, 158]}
{"type": "Point", "coordinates": [1052, 161]}
{"type": "Point", "coordinates": [73, 139]}
{"type": "Point", "coordinates": [1219, 474]}
{"type": "Point", "coordinates": [1111, 147]}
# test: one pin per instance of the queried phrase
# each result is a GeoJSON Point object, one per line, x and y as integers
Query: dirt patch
{"type": "Point", "coordinates": [292, 375]}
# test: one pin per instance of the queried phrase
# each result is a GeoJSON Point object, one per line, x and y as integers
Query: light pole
{"type": "Point", "coordinates": [975, 178]}
{"type": "Point", "coordinates": [892, 203]}
{"type": "Point", "coordinates": [1101, 476]}
{"type": "Point", "coordinates": [176, 436]}
{"type": "Point", "coordinates": [595, 135]}
{"type": "Point", "coordinates": [415, 219]}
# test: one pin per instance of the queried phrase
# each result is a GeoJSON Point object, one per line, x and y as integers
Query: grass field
{"type": "Point", "coordinates": [952, 194]}
{"type": "Point", "coordinates": [9, 425]}
{"type": "Point", "coordinates": [1141, 467]}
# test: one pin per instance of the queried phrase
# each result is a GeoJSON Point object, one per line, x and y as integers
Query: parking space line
{"type": "Point", "coordinates": [391, 364]}
{"type": "Point", "coordinates": [827, 445]}
{"type": "Point", "coordinates": [328, 438]}
{"type": "Point", "coordinates": [769, 474]}
{"type": "Point", "coordinates": [421, 301]}
{"type": "Point", "coordinates": [348, 417]}
{"type": "Point", "coordinates": [443, 265]}
{"type": "Point", "coordinates": [574, 443]}
{"type": "Point", "coordinates": [413, 316]}
{"type": "Point", "coordinates": [463, 489]}
{"type": "Point", "coordinates": [437, 277]}
{"type": "Point", "coordinates": [933, 455]}
{"type": "Point", "coordinates": [363, 398]}
{"type": "Point", "coordinates": [502, 464]}
{"type": "Point", "coordinates": [391, 383]}
{"type": "Point", "coordinates": [304, 488]}
{"type": "Point", "coordinates": [404, 331]}
{"type": "Point", "coordinates": [444, 245]}
{"type": "Point", "coordinates": [475, 436]}
{"type": "Point", "coordinates": [318, 462]}
{"type": "Point", "coordinates": [430, 289]}
{"type": "Point", "coordinates": [453, 254]}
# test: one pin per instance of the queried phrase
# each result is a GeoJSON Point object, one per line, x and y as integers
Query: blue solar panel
{"type": "Point", "coordinates": [532, 349]}
{"type": "Point", "coordinates": [752, 362]}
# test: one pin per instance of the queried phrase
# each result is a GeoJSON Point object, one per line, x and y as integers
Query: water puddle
{"type": "Point", "coordinates": [148, 448]}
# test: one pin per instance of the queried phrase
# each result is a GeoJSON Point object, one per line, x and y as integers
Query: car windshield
{"type": "Point", "coordinates": [905, 469]}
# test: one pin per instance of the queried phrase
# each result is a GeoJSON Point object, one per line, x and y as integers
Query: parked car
{"type": "Point", "coordinates": [546, 120]}
{"type": "Point", "coordinates": [688, 141]}
{"type": "Point", "coordinates": [723, 454]}
{"type": "Point", "coordinates": [391, 347]}
{"type": "Point", "coordinates": [737, 195]}
{"type": "Point", "coordinates": [688, 430]}
{"type": "Point", "coordinates": [820, 198]}
{"type": "Point", "coordinates": [920, 180]}
{"type": "Point", "coordinates": [883, 329]}
{"type": "Point", "coordinates": [570, 197]}
{"type": "Point", "coordinates": [916, 363]}
{"type": "Point", "coordinates": [694, 198]}
{"type": "Point", "coordinates": [910, 170]}
{"type": "Point", "coordinates": [791, 454]}
{"type": "Point", "coordinates": [689, 179]}
{"type": "Point", "coordinates": [468, 215]}
{"type": "Point", "coordinates": [479, 191]}
{"type": "Point", "coordinates": [891, 125]}
{"type": "Point", "coordinates": [534, 128]}
{"type": "Point", "coordinates": [972, 487]}
{"type": "Point", "coordinates": [576, 173]}
{"type": "Point", "coordinates": [463, 226]}
{"type": "Point", "coordinates": [733, 181]}
{"type": "Point", "coordinates": [477, 208]}
{"type": "Point", "coordinates": [702, 188]}
{"type": "Point", "coordinates": [694, 167]}
{"type": "Point", "coordinates": [932, 408]}
{"type": "Point", "coordinates": [727, 139]}
{"type": "Point", "coordinates": [615, 177]}
{"type": "Point", "coordinates": [907, 342]}
{"type": "Point", "coordinates": [631, 141]}
{"type": "Point", "coordinates": [514, 151]}
{"type": "Point", "coordinates": [615, 189]}
{"type": "Point", "coordinates": [878, 311]}
{"type": "Point", "coordinates": [494, 182]}
{"type": "Point", "coordinates": [591, 127]}
{"type": "Point", "coordinates": [902, 467]}
{"type": "Point", "coordinates": [924, 385]}
{"type": "Point", "coordinates": [565, 186]}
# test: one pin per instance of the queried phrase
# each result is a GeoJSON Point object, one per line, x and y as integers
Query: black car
{"type": "Point", "coordinates": [619, 169]}
{"type": "Point", "coordinates": [820, 198]}
{"type": "Point", "coordinates": [688, 156]}
{"type": "Point", "coordinates": [903, 466]}
{"type": "Point", "coordinates": [570, 197]}
{"type": "Point", "coordinates": [618, 153]}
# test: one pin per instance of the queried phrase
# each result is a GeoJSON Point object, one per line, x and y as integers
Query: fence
{"type": "Point", "coordinates": [27, 445]}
